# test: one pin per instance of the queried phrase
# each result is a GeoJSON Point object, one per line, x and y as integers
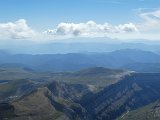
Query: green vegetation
{"type": "Point", "coordinates": [99, 76]}
{"type": "Point", "coordinates": [15, 74]}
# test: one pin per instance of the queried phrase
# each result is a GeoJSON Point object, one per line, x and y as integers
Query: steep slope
{"type": "Point", "coordinates": [16, 89]}
{"type": "Point", "coordinates": [17, 82]}
{"type": "Point", "coordinates": [53, 102]}
{"type": "Point", "coordinates": [36, 106]}
{"type": "Point", "coordinates": [62, 97]}
{"type": "Point", "coordinates": [70, 98]}
{"type": "Point", "coordinates": [130, 93]}
{"type": "Point", "coordinates": [148, 112]}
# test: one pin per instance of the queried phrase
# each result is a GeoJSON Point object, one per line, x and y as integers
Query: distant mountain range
{"type": "Point", "coordinates": [78, 45]}
{"type": "Point", "coordinates": [129, 59]}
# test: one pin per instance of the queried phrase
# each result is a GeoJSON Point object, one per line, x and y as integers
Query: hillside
{"type": "Point", "coordinates": [148, 112]}
{"type": "Point", "coordinates": [98, 76]}
{"type": "Point", "coordinates": [132, 92]}
{"type": "Point", "coordinates": [63, 99]}
{"type": "Point", "coordinates": [17, 82]}
{"type": "Point", "coordinates": [10, 73]}
{"type": "Point", "coordinates": [53, 102]}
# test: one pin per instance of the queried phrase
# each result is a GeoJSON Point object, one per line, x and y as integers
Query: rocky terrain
{"type": "Point", "coordinates": [63, 96]}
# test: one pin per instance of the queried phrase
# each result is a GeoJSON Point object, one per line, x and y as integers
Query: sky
{"type": "Point", "coordinates": [49, 20]}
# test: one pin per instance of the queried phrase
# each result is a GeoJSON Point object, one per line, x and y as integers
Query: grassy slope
{"type": "Point", "coordinates": [11, 74]}
{"type": "Point", "coordinates": [15, 89]}
{"type": "Point", "coordinates": [14, 74]}
{"type": "Point", "coordinates": [42, 104]}
{"type": "Point", "coordinates": [98, 76]}
{"type": "Point", "coordinates": [36, 106]}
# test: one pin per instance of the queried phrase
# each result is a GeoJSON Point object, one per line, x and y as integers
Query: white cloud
{"type": "Point", "coordinates": [148, 28]}
{"type": "Point", "coordinates": [16, 30]}
{"type": "Point", "coordinates": [90, 28]}
{"type": "Point", "coordinates": [151, 21]}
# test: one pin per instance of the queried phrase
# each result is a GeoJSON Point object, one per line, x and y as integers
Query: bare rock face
{"type": "Point", "coordinates": [132, 92]}
{"type": "Point", "coordinates": [148, 112]}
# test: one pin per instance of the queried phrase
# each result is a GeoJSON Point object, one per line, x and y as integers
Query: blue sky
{"type": "Point", "coordinates": [41, 15]}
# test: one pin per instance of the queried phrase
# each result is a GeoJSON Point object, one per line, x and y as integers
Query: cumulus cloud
{"type": "Point", "coordinates": [147, 28]}
{"type": "Point", "coordinates": [90, 28]}
{"type": "Point", "coordinates": [16, 30]}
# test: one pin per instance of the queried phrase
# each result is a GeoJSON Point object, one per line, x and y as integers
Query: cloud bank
{"type": "Point", "coordinates": [16, 30]}
{"type": "Point", "coordinates": [90, 28]}
{"type": "Point", "coordinates": [147, 28]}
